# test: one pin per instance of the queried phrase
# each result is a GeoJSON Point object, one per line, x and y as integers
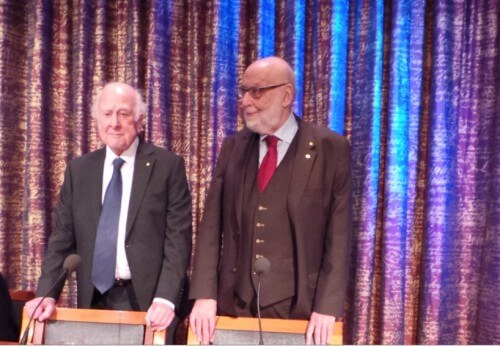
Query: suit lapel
{"type": "Point", "coordinates": [143, 167]}
{"type": "Point", "coordinates": [248, 142]}
{"type": "Point", "coordinates": [302, 165]}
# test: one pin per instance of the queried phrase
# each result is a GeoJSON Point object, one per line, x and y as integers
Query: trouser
{"type": "Point", "coordinates": [121, 296]}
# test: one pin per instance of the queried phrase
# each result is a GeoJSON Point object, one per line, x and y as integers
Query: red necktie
{"type": "Point", "coordinates": [268, 165]}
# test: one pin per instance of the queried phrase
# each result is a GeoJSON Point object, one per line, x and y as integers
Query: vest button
{"type": "Point", "coordinates": [258, 241]}
{"type": "Point", "coordinates": [258, 256]}
{"type": "Point", "coordinates": [259, 224]}
{"type": "Point", "coordinates": [234, 270]}
{"type": "Point", "coordinates": [262, 208]}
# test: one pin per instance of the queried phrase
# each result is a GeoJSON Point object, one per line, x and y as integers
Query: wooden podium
{"type": "Point", "coordinates": [91, 326]}
{"type": "Point", "coordinates": [245, 330]}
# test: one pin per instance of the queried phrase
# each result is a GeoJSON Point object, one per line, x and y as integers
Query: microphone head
{"type": "Point", "coordinates": [71, 263]}
{"type": "Point", "coordinates": [262, 265]}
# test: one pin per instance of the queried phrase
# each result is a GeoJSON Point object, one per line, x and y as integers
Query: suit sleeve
{"type": "Point", "coordinates": [333, 276]}
{"type": "Point", "coordinates": [177, 245]}
{"type": "Point", "coordinates": [203, 283]}
{"type": "Point", "coordinates": [61, 242]}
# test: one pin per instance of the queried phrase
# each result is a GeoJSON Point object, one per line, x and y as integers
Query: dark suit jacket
{"type": "Point", "coordinates": [9, 330]}
{"type": "Point", "coordinates": [319, 211]}
{"type": "Point", "coordinates": [158, 233]}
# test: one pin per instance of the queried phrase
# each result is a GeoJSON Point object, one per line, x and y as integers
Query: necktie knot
{"type": "Point", "coordinates": [271, 141]}
{"type": "Point", "coordinates": [118, 162]}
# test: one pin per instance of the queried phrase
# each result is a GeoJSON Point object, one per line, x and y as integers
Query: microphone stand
{"type": "Point", "coordinates": [261, 336]}
{"type": "Point", "coordinates": [24, 339]}
{"type": "Point", "coordinates": [261, 266]}
{"type": "Point", "coordinates": [70, 264]}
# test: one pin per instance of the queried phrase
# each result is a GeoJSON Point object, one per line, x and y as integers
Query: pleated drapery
{"type": "Point", "coordinates": [413, 84]}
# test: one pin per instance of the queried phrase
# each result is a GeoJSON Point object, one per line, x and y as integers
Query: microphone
{"type": "Point", "coordinates": [262, 266]}
{"type": "Point", "coordinates": [71, 263]}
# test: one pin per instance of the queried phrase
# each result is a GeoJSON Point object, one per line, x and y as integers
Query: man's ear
{"type": "Point", "coordinates": [95, 119]}
{"type": "Point", "coordinates": [288, 98]}
{"type": "Point", "coordinates": [139, 123]}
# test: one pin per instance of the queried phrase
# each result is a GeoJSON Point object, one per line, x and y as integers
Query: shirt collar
{"type": "Point", "coordinates": [128, 155]}
{"type": "Point", "coordinates": [287, 131]}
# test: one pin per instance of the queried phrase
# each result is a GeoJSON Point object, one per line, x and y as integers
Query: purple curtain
{"type": "Point", "coordinates": [413, 84]}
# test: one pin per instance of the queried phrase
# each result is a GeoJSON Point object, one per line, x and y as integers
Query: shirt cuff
{"type": "Point", "coordinates": [164, 301]}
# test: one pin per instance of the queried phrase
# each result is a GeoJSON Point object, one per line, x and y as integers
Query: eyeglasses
{"type": "Point", "coordinates": [256, 92]}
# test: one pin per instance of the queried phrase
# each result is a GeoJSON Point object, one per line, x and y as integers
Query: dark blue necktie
{"type": "Point", "coordinates": [104, 263]}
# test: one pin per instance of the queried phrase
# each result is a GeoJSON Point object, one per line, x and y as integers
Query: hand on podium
{"type": "Point", "coordinates": [321, 328]}
{"type": "Point", "coordinates": [44, 311]}
{"type": "Point", "coordinates": [202, 319]}
{"type": "Point", "coordinates": [159, 316]}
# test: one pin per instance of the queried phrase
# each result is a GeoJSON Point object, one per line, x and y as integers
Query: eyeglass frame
{"type": "Point", "coordinates": [241, 91]}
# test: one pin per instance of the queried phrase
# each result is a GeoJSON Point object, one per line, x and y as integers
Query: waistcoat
{"type": "Point", "coordinates": [267, 232]}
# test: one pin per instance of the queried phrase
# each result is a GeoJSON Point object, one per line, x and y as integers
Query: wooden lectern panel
{"type": "Point", "coordinates": [245, 330]}
{"type": "Point", "coordinates": [91, 326]}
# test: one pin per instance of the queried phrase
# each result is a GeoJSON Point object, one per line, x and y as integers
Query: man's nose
{"type": "Point", "coordinates": [115, 120]}
{"type": "Point", "coordinates": [245, 99]}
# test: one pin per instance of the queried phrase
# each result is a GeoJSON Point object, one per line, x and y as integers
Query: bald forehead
{"type": "Point", "coordinates": [271, 69]}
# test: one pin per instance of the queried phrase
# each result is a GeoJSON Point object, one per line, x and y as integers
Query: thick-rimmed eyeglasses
{"type": "Point", "coordinates": [256, 92]}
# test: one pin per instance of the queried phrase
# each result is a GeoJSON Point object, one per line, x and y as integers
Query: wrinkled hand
{"type": "Point", "coordinates": [44, 311]}
{"type": "Point", "coordinates": [321, 328]}
{"type": "Point", "coordinates": [159, 316]}
{"type": "Point", "coordinates": [202, 320]}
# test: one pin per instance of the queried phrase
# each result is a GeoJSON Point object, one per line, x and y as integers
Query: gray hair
{"type": "Point", "coordinates": [140, 107]}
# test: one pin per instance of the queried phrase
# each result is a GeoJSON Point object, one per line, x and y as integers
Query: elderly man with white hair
{"type": "Point", "coordinates": [125, 210]}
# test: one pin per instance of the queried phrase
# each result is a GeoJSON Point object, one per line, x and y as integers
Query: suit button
{"type": "Point", "coordinates": [234, 270]}
{"type": "Point", "coordinates": [259, 224]}
{"type": "Point", "coordinates": [258, 256]}
{"type": "Point", "coordinates": [262, 207]}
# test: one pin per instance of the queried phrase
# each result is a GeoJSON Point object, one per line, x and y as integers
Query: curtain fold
{"type": "Point", "coordinates": [414, 85]}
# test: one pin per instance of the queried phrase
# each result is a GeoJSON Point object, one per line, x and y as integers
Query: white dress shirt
{"type": "Point", "coordinates": [285, 134]}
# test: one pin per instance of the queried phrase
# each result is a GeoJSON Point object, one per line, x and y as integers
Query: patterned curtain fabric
{"type": "Point", "coordinates": [414, 85]}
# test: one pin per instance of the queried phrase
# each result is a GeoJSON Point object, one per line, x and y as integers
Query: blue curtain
{"type": "Point", "coordinates": [413, 84]}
